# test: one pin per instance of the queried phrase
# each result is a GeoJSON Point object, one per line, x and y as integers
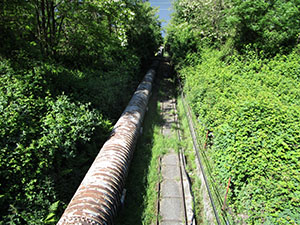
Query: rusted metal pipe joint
{"type": "Point", "coordinates": [98, 197]}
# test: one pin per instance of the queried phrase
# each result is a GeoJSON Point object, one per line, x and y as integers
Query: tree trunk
{"type": "Point", "coordinates": [52, 16]}
{"type": "Point", "coordinates": [44, 31]}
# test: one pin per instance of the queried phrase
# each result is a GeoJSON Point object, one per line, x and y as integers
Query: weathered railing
{"type": "Point", "coordinates": [98, 197]}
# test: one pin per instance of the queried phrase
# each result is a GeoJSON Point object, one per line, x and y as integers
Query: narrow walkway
{"type": "Point", "coordinates": [175, 199]}
{"type": "Point", "coordinates": [171, 203]}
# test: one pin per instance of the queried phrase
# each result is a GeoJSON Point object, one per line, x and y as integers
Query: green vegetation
{"type": "Point", "coordinates": [187, 146]}
{"type": "Point", "coordinates": [268, 26]}
{"type": "Point", "coordinates": [239, 62]}
{"type": "Point", "coordinates": [67, 70]}
{"type": "Point", "coordinates": [252, 109]}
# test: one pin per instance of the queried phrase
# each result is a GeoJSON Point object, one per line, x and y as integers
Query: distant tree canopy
{"type": "Point", "coordinates": [271, 26]}
{"type": "Point", "coordinates": [76, 29]}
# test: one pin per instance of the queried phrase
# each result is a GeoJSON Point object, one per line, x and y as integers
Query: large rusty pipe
{"type": "Point", "coordinates": [98, 197]}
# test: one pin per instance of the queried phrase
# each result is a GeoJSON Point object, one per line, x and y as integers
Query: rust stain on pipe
{"type": "Point", "coordinates": [98, 197]}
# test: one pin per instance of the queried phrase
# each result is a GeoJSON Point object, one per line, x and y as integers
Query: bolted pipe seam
{"type": "Point", "coordinates": [98, 197]}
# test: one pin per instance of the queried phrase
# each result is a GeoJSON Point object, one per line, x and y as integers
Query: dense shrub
{"type": "Point", "coordinates": [246, 95]}
{"type": "Point", "coordinates": [40, 136]}
{"type": "Point", "coordinates": [268, 26]}
{"type": "Point", "coordinates": [251, 105]}
{"type": "Point", "coordinates": [271, 26]}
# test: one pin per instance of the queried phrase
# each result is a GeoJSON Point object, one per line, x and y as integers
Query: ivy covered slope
{"type": "Point", "coordinates": [241, 72]}
{"type": "Point", "coordinates": [67, 70]}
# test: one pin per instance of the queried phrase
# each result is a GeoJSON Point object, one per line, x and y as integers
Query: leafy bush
{"type": "Point", "coordinates": [64, 125]}
{"type": "Point", "coordinates": [252, 107]}
{"type": "Point", "coordinates": [181, 42]}
{"type": "Point", "coordinates": [258, 147]}
{"type": "Point", "coordinates": [269, 25]}
{"type": "Point", "coordinates": [40, 136]}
